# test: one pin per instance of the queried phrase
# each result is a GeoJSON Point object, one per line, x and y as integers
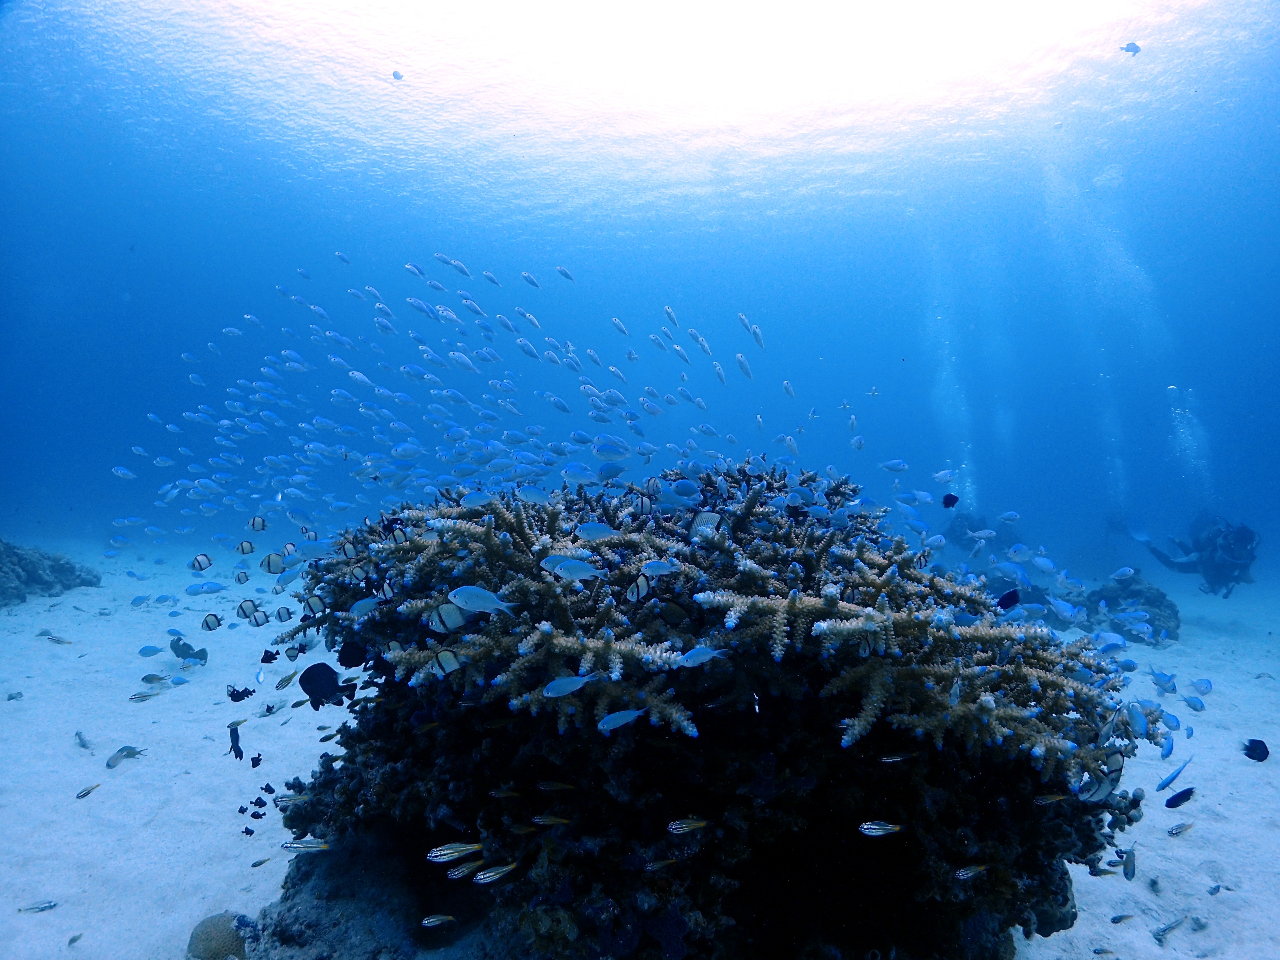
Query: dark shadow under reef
{"type": "Point", "coordinates": [838, 753]}
{"type": "Point", "coordinates": [26, 571]}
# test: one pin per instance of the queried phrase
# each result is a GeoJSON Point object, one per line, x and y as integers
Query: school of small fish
{"type": "Point", "coordinates": [350, 408]}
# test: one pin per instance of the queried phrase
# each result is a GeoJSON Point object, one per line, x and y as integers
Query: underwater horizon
{"type": "Point", "coordinates": [1024, 259]}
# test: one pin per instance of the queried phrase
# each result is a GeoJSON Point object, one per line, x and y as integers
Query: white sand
{"type": "Point", "coordinates": [1236, 808]}
{"type": "Point", "coordinates": [136, 864]}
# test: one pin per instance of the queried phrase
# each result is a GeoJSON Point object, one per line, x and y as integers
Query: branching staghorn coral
{"type": "Point", "coordinates": [766, 619]}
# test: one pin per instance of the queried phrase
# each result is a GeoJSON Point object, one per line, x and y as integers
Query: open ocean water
{"type": "Point", "coordinates": [980, 238]}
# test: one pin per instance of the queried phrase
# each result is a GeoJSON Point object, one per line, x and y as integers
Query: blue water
{"type": "Point", "coordinates": [1013, 250]}
{"type": "Point", "coordinates": [1021, 275]}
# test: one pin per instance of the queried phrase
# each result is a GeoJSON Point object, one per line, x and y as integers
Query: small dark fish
{"type": "Point", "coordinates": [247, 831]}
{"type": "Point", "coordinates": [1179, 829]}
{"type": "Point", "coordinates": [268, 789]}
{"type": "Point", "coordinates": [1131, 862]}
{"type": "Point", "coordinates": [237, 695]}
{"type": "Point", "coordinates": [74, 940]}
{"type": "Point", "coordinates": [235, 743]}
{"type": "Point", "coordinates": [328, 736]}
{"type": "Point", "coordinates": [1162, 932]}
{"type": "Point", "coordinates": [1008, 600]}
{"type": "Point", "coordinates": [1256, 750]}
{"type": "Point", "coordinates": [550, 786]}
{"type": "Point", "coordinates": [320, 683]}
{"type": "Point", "coordinates": [39, 907]}
{"type": "Point", "coordinates": [949, 500]}
{"type": "Point", "coordinates": [1179, 798]}
{"type": "Point", "coordinates": [269, 656]}
{"type": "Point", "coordinates": [1121, 917]}
{"type": "Point", "coordinates": [351, 654]}
{"type": "Point", "coordinates": [86, 791]}
{"type": "Point", "coordinates": [258, 863]}
{"type": "Point", "coordinates": [254, 761]}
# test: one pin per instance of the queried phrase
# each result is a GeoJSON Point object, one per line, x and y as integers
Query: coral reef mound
{"type": "Point", "coordinates": [25, 571]}
{"type": "Point", "coordinates": [722, 718]}
{"type": "Point", "coordinates": [221, 936]}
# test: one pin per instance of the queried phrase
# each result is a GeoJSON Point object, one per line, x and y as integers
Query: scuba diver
{"type": "Point", "coordinates": [1220, 551]}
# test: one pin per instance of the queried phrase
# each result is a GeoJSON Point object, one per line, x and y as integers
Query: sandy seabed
{"type": "Point", "coordinates": [158, 846]}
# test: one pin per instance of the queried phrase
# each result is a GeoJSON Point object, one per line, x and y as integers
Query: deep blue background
{"type": "Point", "coordinates": [1017, 310]}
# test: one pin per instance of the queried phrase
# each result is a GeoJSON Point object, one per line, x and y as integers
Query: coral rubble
{"type": "Point", "coordinates": [758, 673]}
{"type": "Point", "coordinates": [25, 571]}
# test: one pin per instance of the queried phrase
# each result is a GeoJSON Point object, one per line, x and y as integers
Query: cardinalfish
{"type": "Point", "coordinates": [436, 920]}
{"type": "Point", "coordinates": [685, 826]}
{"type": "Point", "coordinates": [493, 873]}
{"type": "Point", "coordinates": [305, 845]}
{"type": "Point", "coordinates": [878, 828]}
{"type": "Point", "coordinates": [452, 851]}
{"type": "Point", "coordinates": [464, 870]}
{"type": "Point", "coordinates": [549, 821]}
{"type": "Point", "coordinates": [968, 873]}
{"type": "Point", "coordinates": [550, 786]}
{"type": "Point", "coordinates": [657, 865]}
{"type": "Point", "coordinates": [1045, 799]}
{"type": "Point", "coordinates": [503, 794]}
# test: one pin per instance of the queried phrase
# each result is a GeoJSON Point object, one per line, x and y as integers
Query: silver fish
{"type": "Point", "coordinates": [878, 828]}
{"type": "Point", "coordinates": [305, 845]}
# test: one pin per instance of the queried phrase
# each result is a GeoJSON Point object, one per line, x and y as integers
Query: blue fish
{"type": "Point", "coordinates": [620, 719]}
{"type": "Point", "coordinates": [567, 685]}
{"type": "Point", "coordinates": [700, 655]}
{"type": "Point", "coordinates": [1164, 784]}
{"type": "Point", "coordinates": [1195, 703]}
{"type": "Point", "coordinates": [149, 651]}
{"type": "Point", "coordinates": [1137, 719]}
